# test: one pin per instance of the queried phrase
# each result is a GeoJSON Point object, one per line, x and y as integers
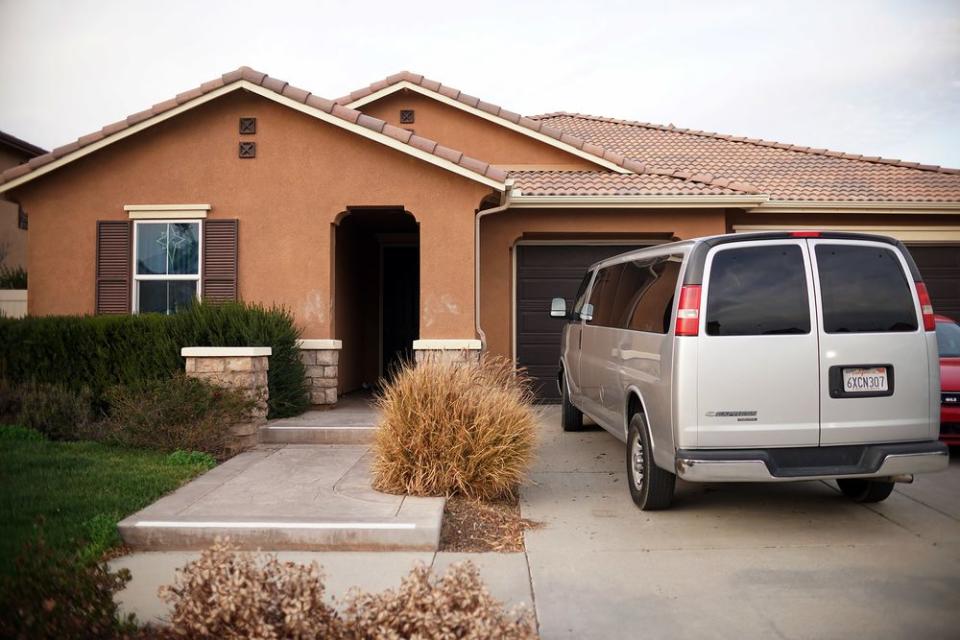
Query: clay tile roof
{"type": "Point", "coordinates": [600, 183]}
{"type": "Point", "coordinates": [277, 86]}
{"type": "Point", "coordinates": [783, 171]}
{"type": "Point", "coordinates": [565, 137]}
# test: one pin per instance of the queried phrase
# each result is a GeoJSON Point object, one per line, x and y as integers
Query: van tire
{"type": "Point", "coordinates": [864, 490]}
{"type": "Point", "coordinates": [571, 418]}
{"type": "Point", "coordinates": [655, 491]}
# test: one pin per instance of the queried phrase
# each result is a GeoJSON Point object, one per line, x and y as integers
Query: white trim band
{"type": "Point", "coordinates": [446, 345]}
{"type": "Point", "coordinates": [165, 211]}
{"type": "Point", "coordinates": [172, 524]}
{"type": "Point", "coordinates": [320, 343]}
{"type": "Point", "coordinates": [225, 352]}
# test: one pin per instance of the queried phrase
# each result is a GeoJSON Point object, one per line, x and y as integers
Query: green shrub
{"type": "Point", "coordinates": [449, 428]}
{"type": "Point", "coordinates": [181, 458]}
{"type": "Point", "coordinates": [16, 433]}
{"type": "Point", "coordinates": [55, 595]}
{"type": "Point", "coordinates": [100, 352]}
{"type": "Point", "coordinates": [13, 278]}
{"type": "Point", "coordinates": [181, 413]}
{"type": "Point", "coordinates": [10, 401]}
{"type": "Point", "coordinates": [55, 411]}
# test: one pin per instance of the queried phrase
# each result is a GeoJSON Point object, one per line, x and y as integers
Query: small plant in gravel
{"type": "Point", "coordinates": [455, 428]}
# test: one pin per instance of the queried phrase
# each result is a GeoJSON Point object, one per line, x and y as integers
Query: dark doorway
{"type": "Point", "coordinates": [376, 293]}
{"type": "Point", "coordinates": [401, 303]}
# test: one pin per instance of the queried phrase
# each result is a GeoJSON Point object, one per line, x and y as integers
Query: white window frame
{"type": "Point", "coordinates": [138, 277]}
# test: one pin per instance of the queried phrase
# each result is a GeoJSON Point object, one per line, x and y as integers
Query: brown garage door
{"type": "Point", "coordinates": [543, 273]}
{"type": "Point", "coordinates": [940, 267]}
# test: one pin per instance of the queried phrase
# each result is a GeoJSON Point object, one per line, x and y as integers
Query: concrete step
{"type": "Point", "coordinates": [306, 434]}
{"type": "Point", "coordinates": [293, 497]}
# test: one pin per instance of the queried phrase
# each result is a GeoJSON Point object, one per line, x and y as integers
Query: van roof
{"type": "Point", "coordinates": [696, 261]}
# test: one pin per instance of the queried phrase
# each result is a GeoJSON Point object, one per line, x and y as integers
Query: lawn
{"type": "Point", "coordinates": [79, 489]}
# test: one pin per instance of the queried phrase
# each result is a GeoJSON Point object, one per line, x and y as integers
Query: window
{"type": "Point", "coordinates": [948, 339]}
{"type": "Point", "coordinates": [602, 295]}
{"type": "Point", "coordinates": [755, 291]}
{"type": "Point", "coordinates": [581, 298]}
{"type": "Point", "coordinates": [167, 265]}
{"type": "Point", "coordinates": [864, 290]}
{"type": "Point", "coordinates": [651, 304]}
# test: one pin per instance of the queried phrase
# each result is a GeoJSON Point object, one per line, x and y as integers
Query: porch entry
{"type": "Point", "coordinates": [376, 294]}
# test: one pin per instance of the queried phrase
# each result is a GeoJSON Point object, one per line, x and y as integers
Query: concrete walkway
{"type": "Point", "coordinates": [728, 561]}
{"type": "Point", "coordinates": [353, 421]}
{"type": "Point", "coordinates": [288, 497]}
{"type": "Point", "coordinates": [739, 561]}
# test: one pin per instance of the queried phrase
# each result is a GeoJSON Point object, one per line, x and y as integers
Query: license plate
{"type": "Point", "coordinates": [873, 380]}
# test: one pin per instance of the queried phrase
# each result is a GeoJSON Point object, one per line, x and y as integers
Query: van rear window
{"type": "Point", "coordinates": [864, 290]}
{"type": "Point", "coordinates": [755, 291]}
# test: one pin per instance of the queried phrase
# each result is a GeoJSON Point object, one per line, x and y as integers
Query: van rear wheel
{"type": "Point", "coordinates": [571, 418]}
{"type": "Point", "coordinates": [650, 486]}
{"type": "Point", "coordinates": [863, 490]}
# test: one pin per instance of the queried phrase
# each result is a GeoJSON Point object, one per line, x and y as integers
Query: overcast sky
{"type": "Point", "coordinates": [865, 76]}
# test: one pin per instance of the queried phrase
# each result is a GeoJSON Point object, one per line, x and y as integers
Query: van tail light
{"type": "Point", "coordinates": [926, 308]}
{"type": "Point", "coordinates": [805, 234]}
{"type": "Point", "coordinates": [688, 310]}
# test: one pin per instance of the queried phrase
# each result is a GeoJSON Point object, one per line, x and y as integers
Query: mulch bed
{"type": "Point", "coordinates": [480, 525]}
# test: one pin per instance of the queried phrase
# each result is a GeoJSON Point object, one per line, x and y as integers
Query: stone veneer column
{"type": "Point", "coordinates": [322, 360]}
{"type": "Point", "coordinates": [446, 350]}
{"type": "Point", "coordinates": [243, 368]}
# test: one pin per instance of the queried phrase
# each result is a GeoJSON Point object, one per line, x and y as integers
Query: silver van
{"type": "Point", "coordinates": [756, 358]}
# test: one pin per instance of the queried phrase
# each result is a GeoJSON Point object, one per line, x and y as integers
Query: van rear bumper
{"type": "Point", "coordinates": [811, 463]}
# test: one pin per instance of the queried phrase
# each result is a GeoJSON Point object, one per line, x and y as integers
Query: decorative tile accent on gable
{"type": "Point", "coordinates": [407, 116]}
{"type": "Point", "coordinates": [248, 125]}
{"type": "Point", "coordinates": [248, 149]}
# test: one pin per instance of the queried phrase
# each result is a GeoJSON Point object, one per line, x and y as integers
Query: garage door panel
{"type": "Point", "coordinates": [940, 267]}
{"type": "Point", "coordinates": [545, 272]}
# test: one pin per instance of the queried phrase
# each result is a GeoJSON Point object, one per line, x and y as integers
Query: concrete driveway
{"type": "Point", "coordinates": [735, 561]}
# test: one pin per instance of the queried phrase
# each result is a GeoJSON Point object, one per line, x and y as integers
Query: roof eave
{"type": "Point", "coordinates": [848, 206]}
{"type": "Point", "coordinates": [636, 202]}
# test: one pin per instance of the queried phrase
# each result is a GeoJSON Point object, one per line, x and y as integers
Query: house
{"type": "Point", "coordinates": [13, 221]}
{"type": "Point", "coordinates": [410, 216]}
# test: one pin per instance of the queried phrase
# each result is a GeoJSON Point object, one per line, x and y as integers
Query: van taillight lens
{"type": "Point", "coordinates": [688, 310]}
{"type": "Point", "coordinates": [926, 308]}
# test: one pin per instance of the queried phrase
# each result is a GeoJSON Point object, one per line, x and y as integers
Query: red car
{"type": "Point", "coordinates": [948, 341]}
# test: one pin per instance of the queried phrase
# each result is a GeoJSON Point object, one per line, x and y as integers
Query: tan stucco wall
{"type": "Point", "coordinates": [306, 173]}
{"type": "Point", "coordinates": [13, 239]}
{"type": "Point", "coordinates": [471, 134]}
{"type": "Point", "coordinates": [500, 232]}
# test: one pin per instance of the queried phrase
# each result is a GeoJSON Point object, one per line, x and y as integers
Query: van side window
{"type": "Point", "coordinates": [653, 282]}
{"type": "Point", "coordinates": [603, 294]}
{"type": "Point", "coordinates": [581, 298]}
{"type": "Point", "coordinates": [864, 290]}
{"type": "Point", "coordinates": [756, 291]}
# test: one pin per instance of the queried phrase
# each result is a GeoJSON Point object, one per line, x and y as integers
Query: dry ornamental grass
{"type": "Point", "coordinates": [455, 429]}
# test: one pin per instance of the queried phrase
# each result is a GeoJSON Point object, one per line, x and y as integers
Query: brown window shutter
{"type": "Point", "coordinates": [114, 269]}
{"type": "Point", "coordinates": [219, 260]}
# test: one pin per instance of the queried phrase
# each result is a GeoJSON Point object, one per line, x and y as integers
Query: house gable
{"type": "Point", "coordinates": [474, 135]}
{"type": "Point", "coordinates": [279, 91]}
{"type": "Point", "coordinates": [406, 83]}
